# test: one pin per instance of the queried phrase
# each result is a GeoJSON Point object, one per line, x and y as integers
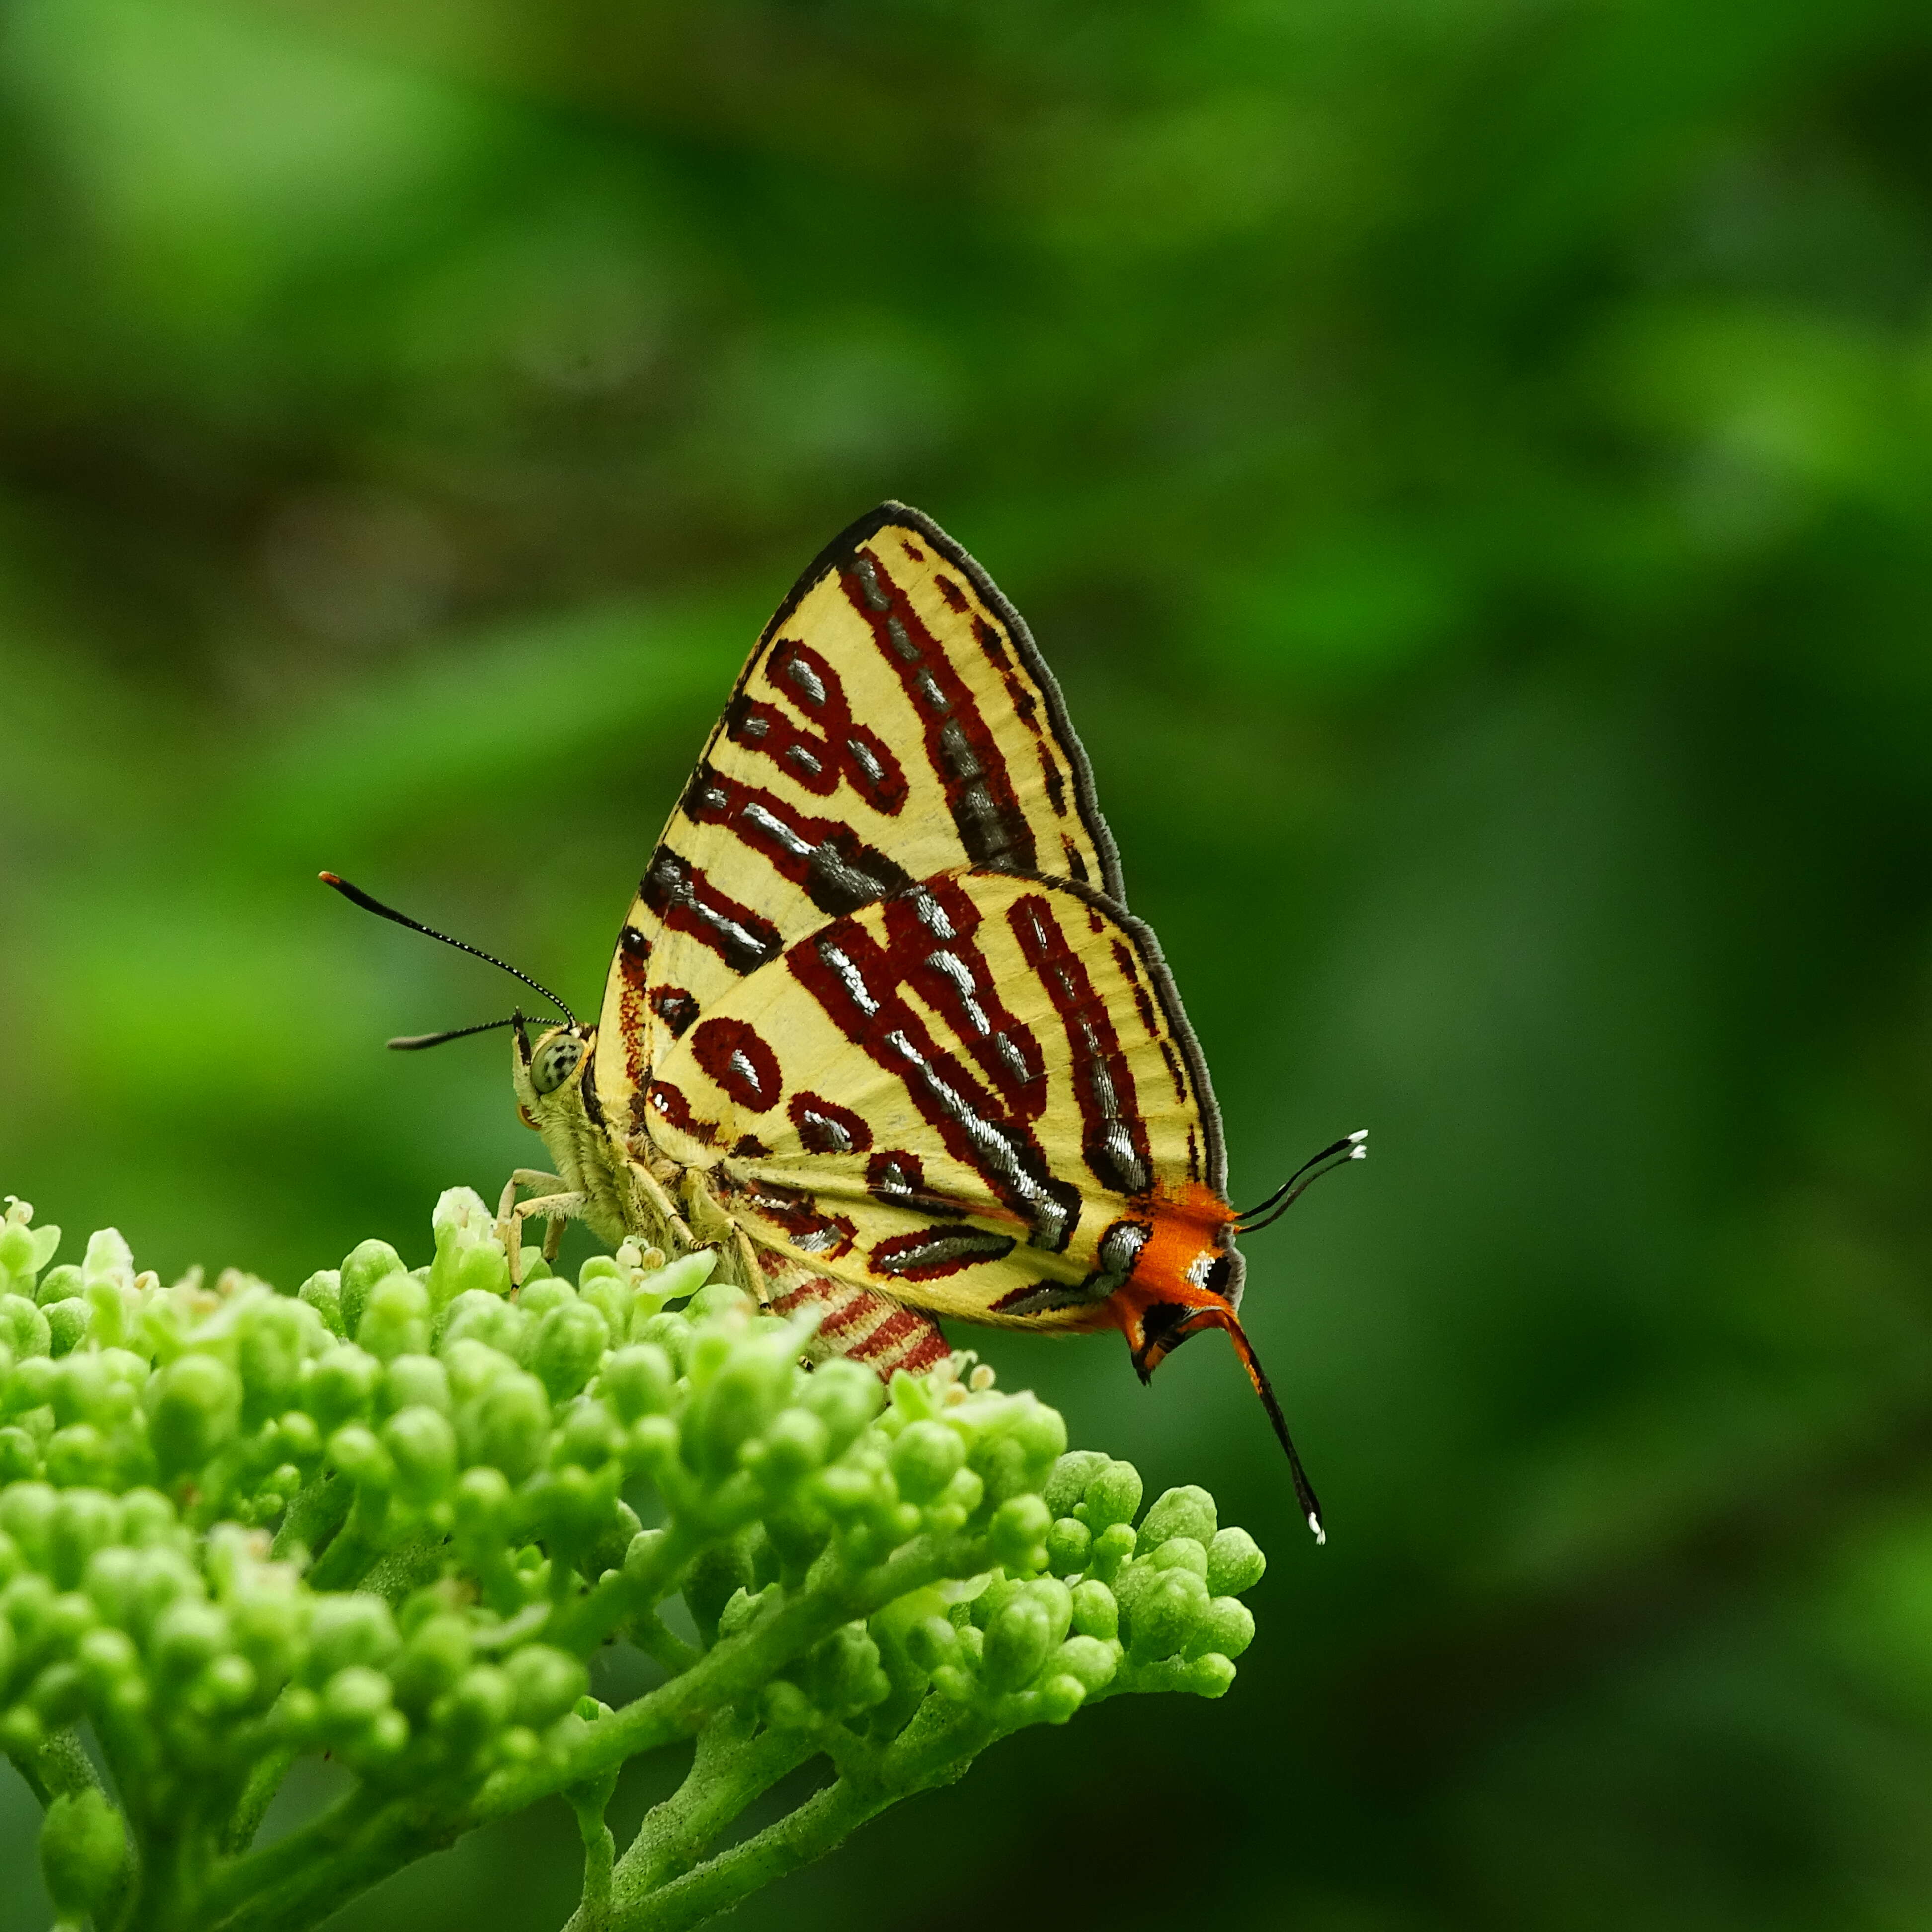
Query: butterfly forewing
{"type": "Point", "coordinates": [973, 1097]}
{"type": "Point", "coordinates": [894, 722]}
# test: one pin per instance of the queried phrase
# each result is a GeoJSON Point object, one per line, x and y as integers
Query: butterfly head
{"type": "Point", "coordinates": [545, 1072]}
{"type": "Point", "coordinates": [1187, 1277]}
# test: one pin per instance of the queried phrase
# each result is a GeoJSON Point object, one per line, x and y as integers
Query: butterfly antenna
{"type": "Point", "coordinates": [414, 1043]}
{"type": "Point", "coordinates": [355, 896]}
{"type": "Point", "coordinates": [1304, 1490]}
{"type": "Point", "coordinates": [1351, 1147]}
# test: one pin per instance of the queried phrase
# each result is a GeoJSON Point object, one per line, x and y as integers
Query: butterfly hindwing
{"type": "Point", "coordinates": [976, 1097]}
{"type": "Point", "coordinates": [894, 721]}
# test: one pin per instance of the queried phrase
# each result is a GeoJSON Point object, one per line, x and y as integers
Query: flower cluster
{"type": "Point", "coordinates": [397, 1516]}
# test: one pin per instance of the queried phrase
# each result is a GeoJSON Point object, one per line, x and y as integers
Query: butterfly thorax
{"type": "Point", "coordinates": [556, 1096]}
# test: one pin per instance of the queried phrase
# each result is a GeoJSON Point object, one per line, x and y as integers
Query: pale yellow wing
{"type": "Point", "coordinates": [894, 721]}
{"type": "Point", "coordinates": [979, 1096]}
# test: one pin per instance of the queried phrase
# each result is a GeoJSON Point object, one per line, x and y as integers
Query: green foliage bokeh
{"type": "Point", "coordinates": [1467, 463]}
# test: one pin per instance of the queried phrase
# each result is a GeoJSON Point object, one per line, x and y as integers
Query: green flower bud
{"type": "Point", "coordinates": [395, 1317]}
{"type": "Point", "coordinates": [477, 1710]}
{"type": "Point", "coordinates": [1189, 1512]}
{"type": "Point", "coordinates": [229, 1683]}
{"type": "Point", "coordinates": [342, 1386]}
{"type": "Point", "coordinates": [83, 1521]}
{"type": "Point", "coordinates": [298, 1440]}
{"type": "Point", "coordinates": [65, 1283]}
{"type": "Point", "coordinates": [322, 1291]}
{"type": "Point", "coordinates": [1017, 1532]}
{"type": "Point", "coordinates": [19, 1458]}
{"type": "Point", "coordinates": [570, 1344]}
{"type": "Point", "coordinates": [1091, 1659]}
{"type": "Point", "coordinates": [23, 1328]}
{"type": "Point", "coordinates": [107, 1661]}
{"type": "Point", "coordinates": [842, 1674]}
{"type": "Point", "coordinates": [269, 1353]}
{"type": "Point", "coordinates": [786, 1708]}
{"type": "Point", "coordinates": [1210, 1676]}
{"type": "Point", "coordinates": [844, 1395]}
{"type": "Point", "coordinates": [66, 1325]}
{"type": "Point", "coordinates": [1113, 1496]}
{"type": "Point", "coordinates": [83, 1850]}
{"type": "Point", "coordinates": [602, 1285]}
{"type": "Point", "coordinates": [433, 1662]}
{"type": "Point", "coordinates": [721, 1299]}
{"type": "Point", "coordinates": [499, 1324]}
{"type": "Point", "coordinates": [422, 1443]}
{"type": "Point", "coordinates": [588, 1438]}
{"type": "Point", "coordinates": [1058, 1600]}
{"type": "Point", "coordinates": [359, 1454]}
{"type": "Point", "coordinates": [381, 1742]}
{"type": "Point", "coordinates": [539, 1296]}
{"type": "Point", "coordinates": [59, 1695]}
{"type": "Point", "coordinates": [412, 1381]}
{"type": "Point", "coordinates": [1164, 1613]}
{"type": "Point", "coordinates": [1060, 1696]}
{"type": "Point", "coordinates": [484, 1510]}
{"type": "Point", "coordinates": [672, 1333]}
{"type": "Point", "coordinates": [1018, 1640]}
{"type": "Point", "coordinates": [352, 1700]}
{"type": "Point", "coordinates": [735, 1404]}
{"type": "Point", "coordinates": [187, 1637]}
{"type": "Point", "coordinates": [639, 1381]}
{"type": "Point", "coordinates": [268, 1627]}
{"type": "Point", "coordinates": [546, 1682]}
{"type": "Point", "coordinates": [149, 1520]}
{"type": "Point", "coordinates": [1227, 1626]}
{"type": "Point", "coordinates": [98, 1386]}
{"type": "Point", "coordinates": [27, 1515]}
{"type": "Point", "coordinates": [1066, 1485]}
{"type": "Point", "coordinates": [1111, 1548]}
{"type": "Point", "coordinates": [652, 1444]}
{"type": "Point", "coordinates": [681, 1277]}
{"type": "Point", "coordinates": [1234, 1564]}
{"type": "Point", "coordinates": [926, 1458]}
{"type": "Point", "coordinates": [349, 1628]}
{"type": "Point", "coordinates": [80, 1457]}
{"type": "Point", "coordinates": [370, 1262]}
{"type": "Point", "coordinates": [483, 1268]}
{"type": "Point", "coordinates": [715, 1575]}
{"type": "Point", "coordinates": [790, 1449]}
{"type": "Point", "coordinates": [1068, 1545]}
{"type": "Point", "coordinates": [932, 1643]}
{"type": "Point", "coordinates": [1095, 1612]}
{"type": "Point", "coordinates": [16, 1250]}
{"type": "Point", "coordinates": [1181, 1552]}
{"type": "Point", "coordinates": [509, 1426]}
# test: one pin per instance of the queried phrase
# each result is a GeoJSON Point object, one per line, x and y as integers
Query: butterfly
{"type": "Point", "coordinates": [880, 1028]}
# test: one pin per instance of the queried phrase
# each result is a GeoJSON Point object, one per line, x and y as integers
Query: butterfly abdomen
{"type": "Point", "coordinates": [870, 1327]}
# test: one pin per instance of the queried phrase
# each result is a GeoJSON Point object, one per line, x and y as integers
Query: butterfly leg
{"type": "Point", "coordinates": [556, 1209]}
{"type": "Point", "coordinates": [524, 1177]}
{"type": "Point", "coordinates": [652, 1189]}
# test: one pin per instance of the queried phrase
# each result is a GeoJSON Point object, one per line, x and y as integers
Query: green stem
{"type": "Point", "coordinates": [732, 1768]}
{"type": "Point", "coordinates": [732, 1671]}
{"type": "Point", "coordinates": [317, 1514]}
{"type": "Point", "coordinates": [264, 1781]}
{"type": "Point", "coordinates": [799, 1839]}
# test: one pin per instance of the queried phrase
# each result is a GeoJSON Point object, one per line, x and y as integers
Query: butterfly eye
{"type": "Point", "coordinates": [555, 1061]}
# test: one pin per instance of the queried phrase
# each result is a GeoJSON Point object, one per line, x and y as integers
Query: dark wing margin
{"type": "Point", "coordinates": [1215, 1161]}
{"type": "Point", "coordinates": [845, 546]}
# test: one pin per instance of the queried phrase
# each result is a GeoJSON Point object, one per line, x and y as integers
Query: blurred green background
{"type": "Point", "coordinates": [1470, 462]}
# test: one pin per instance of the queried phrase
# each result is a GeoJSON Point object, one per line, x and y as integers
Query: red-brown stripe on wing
{"type": "Point", "coordinates": [960, 746]}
